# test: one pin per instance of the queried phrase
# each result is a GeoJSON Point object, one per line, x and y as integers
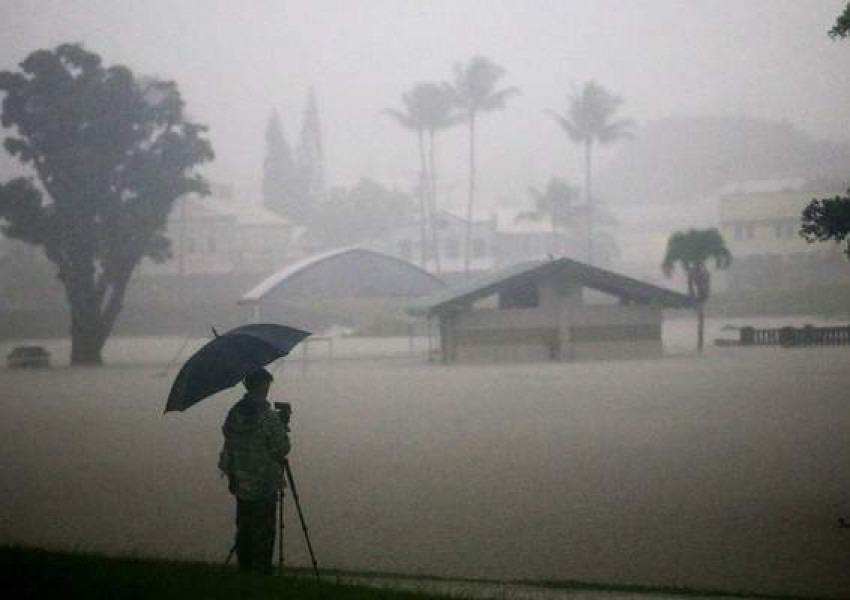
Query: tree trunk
{"type": "Point", "coordinates": [588, 150]}
{"type": "Point", "coordinates": [423, 193]}
{"type": "Point", "coordinates": [87, 346]}
{"type": "Point", "coordinates": [700, 326]}
{"type": "Point", "coordinates": [87, 338]}
{"type": "Point", "coordinates": [92, 319]}
{"type": "Point", "coordinates": [434, 234]}
{"type": "Point", "coordinates": [555, 241]}
{"type": "Point", "coordinates": [471, 195]}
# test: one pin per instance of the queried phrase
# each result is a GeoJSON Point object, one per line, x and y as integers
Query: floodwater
{"type": "Point", "coordinates": [724, 471]}
{"type": "Point", "coordinates": [679, 336]}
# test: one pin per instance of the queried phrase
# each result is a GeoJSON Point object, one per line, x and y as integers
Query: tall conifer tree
{"type": "Point", "coordinates": [279, 174]}
{"type": "Point", "coordinates": [311, 160]}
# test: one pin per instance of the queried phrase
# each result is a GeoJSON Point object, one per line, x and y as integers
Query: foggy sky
{"type": "Point", "coordinates": [235, 61]}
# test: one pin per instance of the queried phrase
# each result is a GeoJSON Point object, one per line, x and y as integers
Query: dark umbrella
{"type": "Point", "coordinates": [228, 359]}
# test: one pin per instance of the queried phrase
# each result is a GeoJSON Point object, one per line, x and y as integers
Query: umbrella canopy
{"type": "Point", "coordinates": [228, 359]}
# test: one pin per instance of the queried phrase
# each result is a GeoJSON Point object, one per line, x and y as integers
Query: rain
{"type": "Point", "coordinates": [575, 277]}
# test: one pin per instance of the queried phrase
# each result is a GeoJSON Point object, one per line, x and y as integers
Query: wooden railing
{"type": "Point", "coordinates": [795, 336]}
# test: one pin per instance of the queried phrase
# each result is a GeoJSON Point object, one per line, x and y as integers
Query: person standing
{"type": "Point", "coordinates": [256, 443]}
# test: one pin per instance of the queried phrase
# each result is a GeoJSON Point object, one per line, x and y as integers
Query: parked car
{"type": "Point", "coordinates": [28, 356]}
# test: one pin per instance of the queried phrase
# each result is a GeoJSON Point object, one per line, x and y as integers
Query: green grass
{"type": "Point", "coordinates": [40, 573]}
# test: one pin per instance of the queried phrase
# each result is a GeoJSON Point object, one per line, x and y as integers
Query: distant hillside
{"type": "Point", "coordinates": [682, 159]}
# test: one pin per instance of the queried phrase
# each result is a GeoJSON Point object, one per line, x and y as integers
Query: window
{"type": "Point", "coordinates": [479, 248]}
{"type": "Point", "coordinates": [751, 231]}
{"type": "Point", "coordinates": [520, 296]}
{"type": "Point", "coordinates": [739, 233]}
{"type": "Point", "coordinates": [785, 230]}
{"type": "Point", "coordinates": [790, 230]}
{"type": "Point", "coordinates": [452, 249]}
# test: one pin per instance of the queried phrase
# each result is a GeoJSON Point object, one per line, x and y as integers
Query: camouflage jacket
{"type": "Point", "coordinates": [255, 447]}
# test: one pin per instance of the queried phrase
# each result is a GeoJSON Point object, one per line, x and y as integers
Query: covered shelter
{"type": "Point", "coordinates": [349, 286]}
{"type": "Point", "coordinates": [558, 309]}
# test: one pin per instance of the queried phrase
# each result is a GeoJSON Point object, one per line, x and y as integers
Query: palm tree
{"type": "Point", "coordinates": [473, 91]}
{"type": "Point", "coordinates": [427, 109]}
{"type": "Point", "coordinates": [555, 203]}
{"type": "Point", "coordinates": [439, 114]}
{"type": "Point", "coordinates": [589, 119]}
{"type": "Point", "coordinates": [691, 250]}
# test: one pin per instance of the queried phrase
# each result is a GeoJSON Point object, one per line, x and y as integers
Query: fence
{"type": "Point", "coordinates": [795, 336]}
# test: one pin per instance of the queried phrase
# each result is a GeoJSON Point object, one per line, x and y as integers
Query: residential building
{"type": "Point", "coordinates": [405, 241]}
{"type": "Point", "coordinates": [520, 238]}
{"type": "Point", "coordinates": [502, 239]}
{"type": "Point", "coordinates": [221, 234]}
{"type": "Point", "coordinates": [760, 222]}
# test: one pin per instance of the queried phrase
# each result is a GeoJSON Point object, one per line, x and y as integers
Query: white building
{"type": "Point", "coordinates": [221, 234]}
{"type": "Point", "coordinates": [521, 238]}
{"type": "Point", "coordinates": [760, 222]}
{"type": "Point", "coordinates": [498, 240]}
{"type": "Point", "coordinates": [405, 241]}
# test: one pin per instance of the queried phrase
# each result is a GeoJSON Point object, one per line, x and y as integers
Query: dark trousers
{"type": "Point", "coordinates": [255, 533]}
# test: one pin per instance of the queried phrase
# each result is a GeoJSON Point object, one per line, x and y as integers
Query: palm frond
{"type": "Point", "coordinates": [401, 118]}
{"type": "Point", "coordinates": [575, 133]}
{"type": "Point", "coordinates": [618, 130]}
{"type": "Point", "coordinates": [473, 86]}
{"type": "Point", "coordinates": [590, 111]}
{"type": "Point", "coordinates": [496, 100]}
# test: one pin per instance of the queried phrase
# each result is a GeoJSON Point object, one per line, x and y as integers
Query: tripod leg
{"type": "Point", "coordinates": [291, 480]}
{"type": "Point", "coordinates": [280, 532]}
{"type": "Point", "coordinates": [230, 554]}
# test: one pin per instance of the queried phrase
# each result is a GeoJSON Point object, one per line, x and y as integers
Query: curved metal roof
{"type": "Point", "coordinates": [293, 271]}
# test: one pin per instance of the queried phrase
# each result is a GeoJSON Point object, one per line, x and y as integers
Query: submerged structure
{"type": "Point", "coordinates": [350, 286]}
{"type": "Point", "coordinates": [558, 309]}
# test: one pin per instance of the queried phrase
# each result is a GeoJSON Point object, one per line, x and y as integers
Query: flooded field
{"type": "Point", "coordinates": [725, 471]}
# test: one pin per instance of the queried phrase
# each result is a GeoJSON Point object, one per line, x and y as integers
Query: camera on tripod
{"type": "Point", "coordinates": [284, 412]}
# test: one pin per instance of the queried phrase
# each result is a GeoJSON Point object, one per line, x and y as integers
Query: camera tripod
{"type": "Point", "coordinates": [287, 469]}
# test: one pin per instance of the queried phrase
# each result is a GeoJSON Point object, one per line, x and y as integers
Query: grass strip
{"type": "Point", "coordinates": [70, 575]}
{"type": "Point", "coordinates": [78, 575]}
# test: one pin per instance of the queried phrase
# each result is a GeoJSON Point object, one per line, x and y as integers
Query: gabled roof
{"type": "Point", "coordinates": [605, 281]}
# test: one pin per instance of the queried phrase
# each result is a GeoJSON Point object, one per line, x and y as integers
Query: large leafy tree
{"type": "Point", "coordinates": [692, 250]}
{"type": "Point", "coordinates": [474, 91]}
{"type": "Point", "coordinates": [428, 109]}
{"type": "Point", "coordinates": [590, 119]}
{"type": "Point", "coordinates": [841, 29]}
{"type": "Point", "coordinates": [829, 218]}
{"type": "Point", "coordinates": [280, 179]}
{"type": "Point", "coordinates": [110, 152]}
